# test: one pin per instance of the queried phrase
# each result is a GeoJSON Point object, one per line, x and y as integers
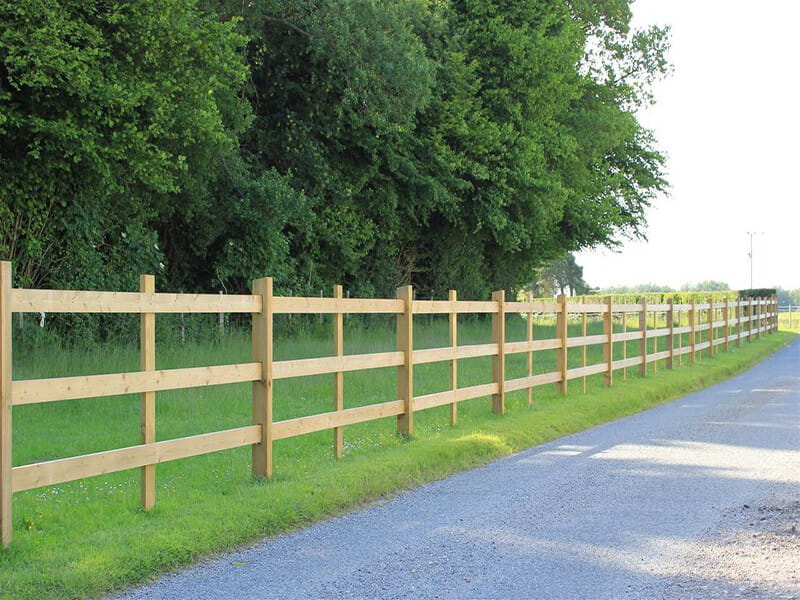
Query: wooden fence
{"type": "Point", "coordinates": [724, 322]}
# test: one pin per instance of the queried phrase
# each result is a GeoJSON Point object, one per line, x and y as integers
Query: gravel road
{"type": "Point", "coordinates": [699, 498]}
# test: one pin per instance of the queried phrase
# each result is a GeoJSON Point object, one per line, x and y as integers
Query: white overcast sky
{"type": "Point", "coordinates": [728, 121]}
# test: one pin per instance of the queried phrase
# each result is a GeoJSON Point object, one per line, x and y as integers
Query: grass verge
{"type": "Point", "coordinates": [89, 537]}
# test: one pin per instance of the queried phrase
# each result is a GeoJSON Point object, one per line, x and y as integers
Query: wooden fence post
{"type": "Point", "coordinates": [499, 359]}
{"type": "Point", "coordinates": [262, 389]}
{"type": "Point", "coordinates": [655, 341]}
{"type": "Point", "coordinates": [583, 330]}
{"type": "Point", "coordinates": [624, 345]}
{"type": "Point", "coordinates": [671, 334]}
{"type": "Point", "coordinates": [727, 328]}
{"type": "Point", "coordinates": [405, 372]}
{"type": "Point", "coordinates": [6, 491]}
{"type": "Point", "coordinates": [643, 340]}
{"type": "Point", "coordinates": [758, 318]}
{"type": "Point", "coordinates": [562, 330]}
{"type": "Point", "coordinates": [710, 318]}
{"type": "Point", "coordinates": [338, 377]}
{"type": "Point", "coordinates": [692, 332]}
{"type": "Point", "coordinates": [608, 347]}
{"type": "Point", "coordinates": [530, 353]}
{"type": "Point", "coordinates": [738, 316]}
{"type": "Point", "coordinates": [453, 297]}
{"type": "Point", "coordinates": [147, 362]}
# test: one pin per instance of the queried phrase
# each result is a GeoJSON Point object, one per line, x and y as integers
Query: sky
{"type": "Point", "coordinates": [727, 119]}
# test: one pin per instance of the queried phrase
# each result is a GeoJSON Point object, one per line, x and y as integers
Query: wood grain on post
{"type": "Point", "coordinates": [6, 491]}
{"type": "Point", "coordinates": [727, 327]}
{"type": "Point", "coordinates": [624, 345]}
{"type": "Point", "coordinates": [563, 334]}
{"type": "Point", "coordinates": [147, 362]}
{"type": "Point", "coordinates": [405, 372]}
{"type": "Point", "coordinates": [530, 354]}
{"type": "Point", "coordinates": [643, 339]}
{"type": "Point", "coordinates": [608, 347]}
{"type": "Point", "coordinates": [710, 317]}
{"type": "Point", "coordinates": [499, 359]}
{"type": "Point", "coordinates": [583, 330]}
{"type": "Point", "coordinates": [655, 341]}
{"type": "Point", "coordinates": [453, 297]}
{"type": "Point", "coordinates": [338, 376]}
{"type": "Point", "coordinates": [738, 317]}
{"type": "Point", "coordinates": [262, 389]}
{"type": "Point", "coordinates": [671, 335]}
{"type": "Point", "coordinates": [692, 333]}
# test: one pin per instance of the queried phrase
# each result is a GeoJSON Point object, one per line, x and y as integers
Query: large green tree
{"type": "Point", "coordinates": [108, 112]}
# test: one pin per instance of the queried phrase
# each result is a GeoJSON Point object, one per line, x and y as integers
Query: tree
{"type": "Point", "coordinates": [108, 111]}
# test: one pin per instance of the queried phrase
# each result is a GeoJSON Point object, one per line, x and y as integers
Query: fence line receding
{"type": "Point", "coordinates": [724, 322]}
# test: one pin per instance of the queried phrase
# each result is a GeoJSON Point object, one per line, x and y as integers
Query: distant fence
{"type": "Point", "coordinates": [704, 326]}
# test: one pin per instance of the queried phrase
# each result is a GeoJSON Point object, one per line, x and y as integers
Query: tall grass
{"type": "Point", "coordinates": [86, 537]}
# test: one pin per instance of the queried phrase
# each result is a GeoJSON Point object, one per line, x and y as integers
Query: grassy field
{"type": "Point", "coordinates": [88, 537]}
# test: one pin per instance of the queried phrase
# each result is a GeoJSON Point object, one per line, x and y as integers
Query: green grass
{"type": "Point", "coordinates": [86, 538]}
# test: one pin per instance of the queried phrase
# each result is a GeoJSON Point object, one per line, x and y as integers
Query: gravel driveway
{"type": "Point", "coordinates": [699, 498]}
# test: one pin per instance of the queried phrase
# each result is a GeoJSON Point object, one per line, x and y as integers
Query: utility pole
{"type": "Point", "coordinates": [750, 254]}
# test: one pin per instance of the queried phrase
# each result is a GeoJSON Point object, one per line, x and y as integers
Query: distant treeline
{"type": "Point", "coordinates": [449, 143]}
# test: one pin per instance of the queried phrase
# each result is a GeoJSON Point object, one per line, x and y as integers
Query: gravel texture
{"type": "Point", "coordinates": [699, 498]}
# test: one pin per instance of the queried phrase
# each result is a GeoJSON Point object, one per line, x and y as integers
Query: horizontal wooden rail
{"type": "Point", "coordinates": [52, 472]}
{"type": "Point", "coordinates": [303, 367]}
{"type": "Point", "coordinates": [457, 395]}
{"type": "Point", "coordinates": [34, 391]}
{"type": "Point", "coordinates": [60, 301]}
{"type": "Point", "coordinates": [627, 362]}
{"type": "Point", "coordinates": [531, 307]}
{"type": "Point", "coordinates": [430, 355]}
{"type": "Point", "coordinates": [586, 371]}
{"type": "Point", "coordinates": [321, 422]}
{"type": "Point", "coordinates": [587, 308]}
{"type": "Point", "coordinates": [657, 333]}
{"type": "Point", "coordinates": [658, 356]}
{"type": "Point", "coordinates": [532, 381]}
{"type": "Point", "coordinates": [627, 336]}
{"type": "Point", "coordinates": [532, 346]}
{"type": "Point", "coordinates": [587, 340]}
{"type": "Point", "coordinates": [300, 305]}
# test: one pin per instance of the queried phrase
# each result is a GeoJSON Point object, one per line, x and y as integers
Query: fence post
{"type": "Point", "coordinates": [499, 359]}
{"type": "Point", "coordinates": [643, 340]}
{"type": "Point", "coordinates": [738, 316]}
{"type": "Point", "coordinates": [655, 340]}
{"type": "Point", "coordinates": [405, 372]}
{"type": "Point", "coordinates": [453, 297]}
{"type": "Point", "coordinates": [727, 328]}
{"type": "Point", "coordinates": [6, 491]}
{"type": "Point", "coordinates": [147, 362]}
{"type": "Point", "coordinates": [710, 318]}
{"type": "Point", "coordinates": [624, 345]}
{"type": "Point", "coordinates": [608, 347]}
{"type": "Point", "coordinates": [692, 332]}
{"type": "Point", "coordinates": [338, 376]}
{"type": "Point", "coordinates": [583, 330]}
{"type": "Point", "coordinates": [759, 312]}
{"type": "Point", "coordinates": [562, 330]}
{"type": "Point", "coordinates": [671, 334]}
{"type": "Point", "coordinates": [262, 389]}
{"type": "Point", "coordinates": [530, 353]}
{"type": "Point", "coordinates": [680, 336]}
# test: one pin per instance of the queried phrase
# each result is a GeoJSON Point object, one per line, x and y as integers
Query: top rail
{"type": "Point", "coordinates": [67, 301]}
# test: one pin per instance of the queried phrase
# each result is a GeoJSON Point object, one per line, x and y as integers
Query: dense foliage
{"type": "Point", "coordinates": [448, 143]}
